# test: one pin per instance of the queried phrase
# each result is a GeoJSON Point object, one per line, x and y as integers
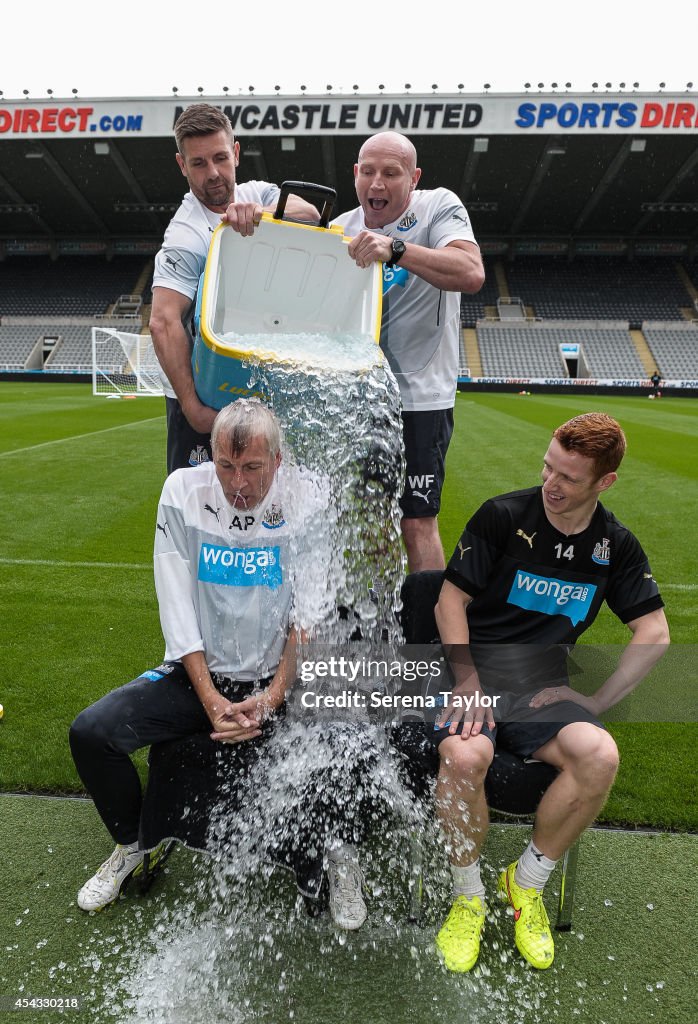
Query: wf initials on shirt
{"type": "Point", "coordinates": [422, 482]}
{"type": "Point", "coordinates": [421, 485]}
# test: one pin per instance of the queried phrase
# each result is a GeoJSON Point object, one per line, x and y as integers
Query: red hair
{"type": "Point", "coordinates": [595, 436]}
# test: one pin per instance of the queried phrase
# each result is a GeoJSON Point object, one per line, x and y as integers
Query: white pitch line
{"type": "Point", "coordinates": [78, 437]}
{"type": "Point", "coordinates": [56, 564]}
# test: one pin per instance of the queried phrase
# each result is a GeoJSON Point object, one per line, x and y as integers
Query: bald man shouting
{"type": "Point", "coordinates": [426, 244]}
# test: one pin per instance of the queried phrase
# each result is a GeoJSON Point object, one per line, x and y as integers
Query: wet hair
{"type": "Point", "coordinates": [595, 436]}
{"type": "Point", "coordinates": [201, 119]}
{"type": "Point", "coordinates": [236, 424]}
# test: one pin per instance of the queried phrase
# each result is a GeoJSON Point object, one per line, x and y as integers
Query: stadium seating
{"type": "Point", "coordinates": [60, 347]}
{"type": "Point", "coordinates": [675, 349]}
{"type": "Point", "coordinates": [70, 286]}
{"type": "Point", "coordinates": [608, 351]}
{"type": "Point", "coordinates": [74, 349]}
{"type": "Point", "coordinates": [533, 349]}
{"type": "Point", "coordinates": [519, 350]}
{"type": "Point", "coordinates": [599, 288]}
{"type": "Point", "coordinates": [17, 344]}
{"type": "Point", "coordinates": [592, 301]}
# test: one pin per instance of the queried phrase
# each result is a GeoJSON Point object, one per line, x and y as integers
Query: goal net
{"type": "Point", "coordinates": [124, 364]}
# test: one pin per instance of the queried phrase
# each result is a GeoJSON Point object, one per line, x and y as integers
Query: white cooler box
{"type": "Point", "coordinates": [285, 296]}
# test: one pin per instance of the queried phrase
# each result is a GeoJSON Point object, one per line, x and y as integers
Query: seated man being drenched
{"type": "Point", "coordinates": [528, 577]}
{"type": "Point", "coordinates": [228, 547]}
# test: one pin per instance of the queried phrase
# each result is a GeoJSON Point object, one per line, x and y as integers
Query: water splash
{"type": "Point", "coordinates": [231, 954]}
{"type": "Point", "coordinates": [237, 944]}
{"type": "Point", "coordinates": [243, 947]}
{"type": "Point", "coordinates": [346, 426]}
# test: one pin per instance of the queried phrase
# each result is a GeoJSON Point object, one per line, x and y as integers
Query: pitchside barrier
{"type": "Point", "coordinates": [126, 364]}
{"type": "Point", "coordinates": [579, 385]}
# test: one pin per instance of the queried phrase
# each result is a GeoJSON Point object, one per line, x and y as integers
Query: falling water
{"type": "Point", "coordinates": [341, 417]}
{"type": "Point", "coordinates": [231, 953]}
{"type": "Point", "coordinates": [243, 938]}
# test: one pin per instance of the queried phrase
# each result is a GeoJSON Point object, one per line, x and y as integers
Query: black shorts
{"type": "Point", "coordinates": [185, 447]}
{"type": "Point", "coordinates": [416, 756]}
{"type": "Point", "coordinates": [529, 730]}
{"type": "Point", "coordinates": [427, 436]}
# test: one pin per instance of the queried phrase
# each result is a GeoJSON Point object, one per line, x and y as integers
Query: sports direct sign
{"type": "Point", "coordinates": [591, 382]}
{"type": "Point", "coordinates": [47, 121]}
{"type": "Point", "coordinates": [447, 114]}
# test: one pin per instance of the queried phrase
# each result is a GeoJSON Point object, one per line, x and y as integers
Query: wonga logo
{"type": "Point", "coordinates": [240, 567]}
{"type": "Point", "coordinates": [552, 597]}
{"type": "Point", "coordinates": [393, 276]}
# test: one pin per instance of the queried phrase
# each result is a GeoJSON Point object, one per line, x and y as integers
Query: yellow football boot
{"type": "Point", "coordinates": [459, 938]}
{"type": "Point", "coordinates": [531, 925]}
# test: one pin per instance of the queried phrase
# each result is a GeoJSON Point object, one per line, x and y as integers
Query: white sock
{"type": "Point", "coordinates": [533, 868]}
{"type": "Point", "coordinates": [467, 881]}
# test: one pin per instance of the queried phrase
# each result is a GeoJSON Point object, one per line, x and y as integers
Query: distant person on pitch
{"type": "Point", "coordinates": [424, 239]}
{"type": "Point", "coordinates": [533, 567]}
{"type": "Point", "coordinates": [207, 157]}
{"type": "Point", "coordinates": [656, 380]}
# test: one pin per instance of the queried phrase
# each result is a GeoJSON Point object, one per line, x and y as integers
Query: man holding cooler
{"type": "Point", "coordinates": [426, 244]}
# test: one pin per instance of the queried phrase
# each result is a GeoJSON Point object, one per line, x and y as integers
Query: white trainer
{"type": "Point", "coordinates": [104, 887]}
{"type": "Point", "coordinates": [347, 907]}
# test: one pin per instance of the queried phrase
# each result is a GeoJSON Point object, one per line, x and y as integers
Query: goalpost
{"type": "Point", "coordinates": [124, 364]}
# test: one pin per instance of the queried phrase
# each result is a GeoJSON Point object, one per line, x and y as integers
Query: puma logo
{"type": "Point", "coordinates": [529, 540]}
{"type": "Point", "coordinates": [463, 550]}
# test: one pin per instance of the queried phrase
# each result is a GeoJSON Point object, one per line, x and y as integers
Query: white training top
{"type": "Point", "coordinates": [181, 259]}
{"type": "Point", "coordinates": [230, 582]}
{"type": "Point", "coordinates": [420, 329]}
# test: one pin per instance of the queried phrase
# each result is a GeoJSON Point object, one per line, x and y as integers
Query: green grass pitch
{"type": "Point", "coordinates": [80, 482]}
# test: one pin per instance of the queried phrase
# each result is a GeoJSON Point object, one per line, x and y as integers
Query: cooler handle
{"type": "Point", "coordinates": [307, 190]}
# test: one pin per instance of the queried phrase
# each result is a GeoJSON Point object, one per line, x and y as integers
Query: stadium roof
{"type": "Point", "coordinates": [539, 172]}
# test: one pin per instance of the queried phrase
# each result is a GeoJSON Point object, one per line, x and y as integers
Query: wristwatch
{"type": "Point", "coordinates": [397, 252]}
